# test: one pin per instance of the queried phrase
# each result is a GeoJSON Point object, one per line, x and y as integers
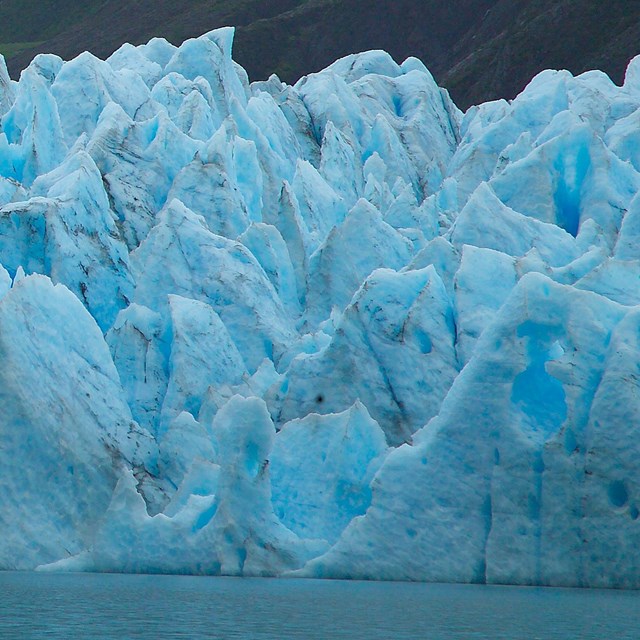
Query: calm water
{"type": "Point", "coordinates": [77, 606]}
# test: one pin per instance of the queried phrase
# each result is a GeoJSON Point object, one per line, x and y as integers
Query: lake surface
{"type": "Point", "coordinates": [123, 607]}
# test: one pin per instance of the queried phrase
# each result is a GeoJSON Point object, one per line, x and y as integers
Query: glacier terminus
{"type": "Point", "coordinates": [338, 329]}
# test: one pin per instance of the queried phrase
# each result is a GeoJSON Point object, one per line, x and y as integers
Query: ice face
{"type": "Point", "coordinates": [181, 255]}
{"type": "Point", "coordinates": [352, 250]}
{"type": "Point", "coordinates": [396, 335]}
{"type": "Point", "coordinates": [65, 425]}
{"type": "Point", "coordinates": [226, 524]}
{"type": "Point", "coordinates": [334, 329]}
{"type": "Point", "coordinates": [489, 491]}
{"type": "Point", "coordinates": [318, 490]}
{"type": "Point", "coordinates": [202, 354]}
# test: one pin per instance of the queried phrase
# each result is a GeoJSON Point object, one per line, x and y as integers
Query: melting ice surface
{"type": "Point", "coordinates": [335, 329]}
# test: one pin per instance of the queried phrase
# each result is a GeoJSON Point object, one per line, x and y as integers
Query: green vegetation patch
{"type": "Point", "coordinates": [10, 49]}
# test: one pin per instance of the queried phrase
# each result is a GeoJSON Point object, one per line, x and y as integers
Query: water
{"type": "Point", "coordinates": [120, 607]}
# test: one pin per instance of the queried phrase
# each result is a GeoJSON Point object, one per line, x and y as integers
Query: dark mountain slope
{"type": "Point", "coordinates": [519, 38]}
{"type": "Point", "coordinates": [479, 49]}
{"type": "Point", "coordinates": [320, 31]}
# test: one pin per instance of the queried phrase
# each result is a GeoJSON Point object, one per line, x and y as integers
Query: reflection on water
{"type": "Point", "coordinates": [121, 607]}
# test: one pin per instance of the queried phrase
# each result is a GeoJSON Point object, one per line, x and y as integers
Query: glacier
{"type": "Point", "coordinates": [338, 329]}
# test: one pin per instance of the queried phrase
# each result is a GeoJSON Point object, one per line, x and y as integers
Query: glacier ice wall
{"type": "Point", "coordinates": [335, 329]}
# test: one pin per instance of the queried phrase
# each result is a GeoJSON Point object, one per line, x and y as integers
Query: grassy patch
{"type": "Point", "coordinates": [10, 49]}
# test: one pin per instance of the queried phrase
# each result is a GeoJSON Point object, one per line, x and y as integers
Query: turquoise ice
{"type": "Point", "coordinates": [334, 329]}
